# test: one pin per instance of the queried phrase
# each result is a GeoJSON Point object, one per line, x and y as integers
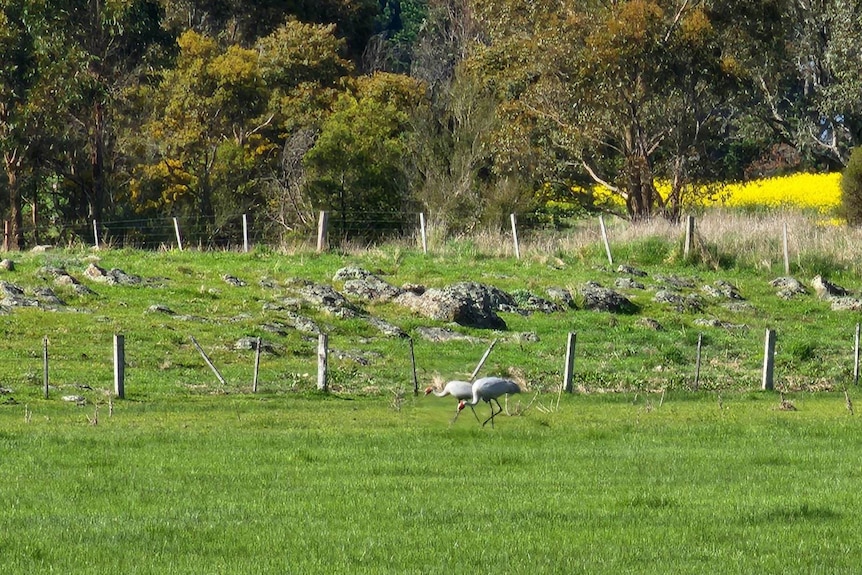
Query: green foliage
{"type": "Point", "coordinates": [851, 188]}
{"type": "Point", "coordinates": [356, 168]}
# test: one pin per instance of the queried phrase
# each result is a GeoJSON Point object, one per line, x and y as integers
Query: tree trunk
{"type": "Point", "coordinates": [97, 161]}
{"type": "Point", "coordinates": [16, 224]}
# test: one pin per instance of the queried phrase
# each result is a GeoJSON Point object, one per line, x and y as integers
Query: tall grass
{"type": "Point", "coordinates": [743, 239]}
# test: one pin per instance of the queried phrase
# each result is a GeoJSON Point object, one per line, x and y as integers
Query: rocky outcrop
{"type": "Point", "coordinates": [788, 287]}
{"type": "Point", "coordinates": [469, 304]}
{"type": "Point", "coordinates": [599, 298]}
{"type": "Point", "coordinates": [113, 276]}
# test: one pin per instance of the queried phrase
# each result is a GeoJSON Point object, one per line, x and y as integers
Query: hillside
{"type": "Point", "coordinates": [159, 301]}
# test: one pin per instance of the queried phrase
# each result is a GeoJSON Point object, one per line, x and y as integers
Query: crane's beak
{"type": "Point", "coordinates": [461, 405]}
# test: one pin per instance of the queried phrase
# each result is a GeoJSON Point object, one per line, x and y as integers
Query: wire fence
{"type": "Point", "coordinates": [233, 231]}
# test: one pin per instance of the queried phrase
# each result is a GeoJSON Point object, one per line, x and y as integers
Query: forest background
{"type": "Point", "coordinates": [374, 110]}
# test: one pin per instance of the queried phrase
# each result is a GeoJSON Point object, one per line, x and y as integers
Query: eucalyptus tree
{"type": "Point", "coordinates": [627, 93]}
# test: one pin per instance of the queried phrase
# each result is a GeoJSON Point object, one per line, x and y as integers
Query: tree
{"type": "Point", "coordinates": [851, 188]}
{"type": "Point", "coordinates": [627, 93]}
{"type": "Point", "coordinates": [206, 134]}
{"type": "Point", "coordinates": [356, 168]}
{"type": "Point", "coordinates": [39, 82]}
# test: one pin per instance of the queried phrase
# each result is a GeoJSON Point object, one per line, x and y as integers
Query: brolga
{"type": "Point", "coordinates": [460, 390]}
{"type": "Point", "coordinates": [488, 389]}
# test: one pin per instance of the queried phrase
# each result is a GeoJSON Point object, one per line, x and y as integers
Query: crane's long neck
{"type": "Point", "coordinates": [475, 396]}
{"type": "Point", "coordinates": [440, 393]}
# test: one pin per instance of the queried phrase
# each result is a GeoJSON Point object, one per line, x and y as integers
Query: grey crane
{"type": "Point", "coordinates": [460, 390]}
{"type": "Point", "coordinates": [488, 389]}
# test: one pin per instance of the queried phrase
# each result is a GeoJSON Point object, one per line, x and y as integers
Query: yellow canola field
{"type": "Point", "coordinates": [819, 192]}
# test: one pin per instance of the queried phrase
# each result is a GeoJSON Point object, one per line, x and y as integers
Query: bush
{"type": "Point", "coordinates": [851, 188]}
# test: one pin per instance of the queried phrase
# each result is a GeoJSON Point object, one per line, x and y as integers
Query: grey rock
{"type": "Point", "coordinates": [441, 334]}
{"type": "Point", "coordinates": [628, 270]}
{"type": "Point", "coordinates": [628, 283]}
{"type": "Point", "coordinates": [249, 343]}
{"type": "Point", "coordinates": [679, 302]}
{"type": "Point", "coordinates": [562, 296]}
{"type": "Point", "coordinates": [599, 298]}
{"type": "Point", "coordinates": [233, 281]}
{"type": "Point", "coordinates": [722, 289]}
{"type": "Point", "coordinates": [159, 308]}
{"type": "Point", "coordinates": [712, 322]}
{"type": "Point", "coordinates": [469, 304]}
{"type": "Point", "coordinates": [111, 277]}
{"type": "Point", "coordinates": [386, 328]}
{"type": "Point", "coordinates": [788, 287]}
{"type": "Point", "coordinates": [826, 289]}
{"type": "Point", "coordinates": [302, 324]}
{"type": "Point", "coordinates": [846, 303]}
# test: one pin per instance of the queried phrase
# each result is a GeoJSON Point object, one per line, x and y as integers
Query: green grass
{"type": "Point", "coordinates": [636, 473]}
{"type": "Point", "coordinates": [306, 484]}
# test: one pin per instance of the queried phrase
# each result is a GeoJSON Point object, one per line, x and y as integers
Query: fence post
{"type": "Point", "coordinates": [697, 362]}
{"type": "Point", "coordinates": [856, 358]}
{"type": "Point", "coordinates": [605, 240]}
{"type": "Point", "coordinates": [96, 234]}
{"type": "Point", "coordinates": [256, 365]}
{"type": "Point", "coordinates": [322, 364]}
{"type": "Point", "coordinates": [120, 365]}
{"type": "Point", "coordinates": [515, 237]}
{"type": "Point", "coordinates": [179, 237]}
{"type": "Point", "coordinates": [769, 361]}
{"type": "Point", "coordinates": [482, 361]}
{"type": "Point", "coordinates": [413, 363]}
{"type": "Point", "coordinates": [786, 253]}
{"type": "Point", "coordinates": [423, 233]}
{"type": "Point", "coordinates": [689, 236]}
{"type": "Point", "coordinates": [569, 373]}
{"type": "Point", "coordinates": [245, 233]}
{"type": "Point", "coordinates": [45, 365]}
{"type": "Point", "coordinates": [322, 224]}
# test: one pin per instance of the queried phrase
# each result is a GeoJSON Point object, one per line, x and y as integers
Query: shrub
{"type": "Point", "coordinates": [851, 188]}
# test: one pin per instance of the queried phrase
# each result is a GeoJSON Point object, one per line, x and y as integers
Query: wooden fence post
{"type": "Point", "coordinates": [322, 224]}
{"type": "Point", "coordinates": [423, 233]}
{"type": "Point", "coordinates": [256, 365]}
{"type": "Point", "coordinates": [769, 361]}
{"type": "Point", "coordinates": [45, 365]}
{"type": "Point", "coordinates": [179, 237]}
{"type": "Point", "coordinates": [515, 236]}
{"type": "Point", "coordinates": [569, 373]}
{"type": "Point", "coordinates": [482, 361]}
{"type": "Point", "coordinates": [245, 233]}
{"type": "Point", "coordinates": [605, 240]}
{"type": "Point", "coordinates": [856, 358]}
{"type": "Point", "coordinates": [413, 363]}
{"type": "Point", "coordinates": [96, 242]}
{"type": "Point", "coordinates": [120, 365]}
{"type": "Point", "coordinates": [209, 361]}
{"type": "Point", "coordinates": [322, 363]}
{"type": "Point", "coordinates": [697, 362]}
{"type": "Point", "coordinates": [689, 236]}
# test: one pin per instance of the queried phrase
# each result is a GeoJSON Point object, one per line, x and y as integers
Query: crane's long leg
{"type": "Point", "coordinates": [493, 413]}
{"type": "Point", "coordinates": [474, 413]}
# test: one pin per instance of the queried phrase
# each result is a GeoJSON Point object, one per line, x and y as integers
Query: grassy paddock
{"type": "Point", "coordinates": [603, 484]}
{"type": "Point", "coordinates": [634, 474]}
